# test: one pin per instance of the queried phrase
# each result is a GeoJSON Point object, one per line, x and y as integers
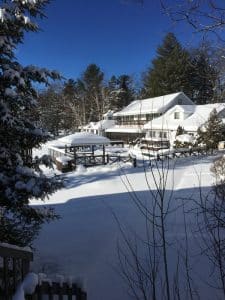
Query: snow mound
{"type": "Point", "coordinates": [185, 138]}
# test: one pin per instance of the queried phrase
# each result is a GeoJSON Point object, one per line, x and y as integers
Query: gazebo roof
{"type": "Point", "coordinates": [82, 139]}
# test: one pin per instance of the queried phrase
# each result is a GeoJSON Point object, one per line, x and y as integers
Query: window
{"type": "Point", "coordinates": [163, 134]}
{"type": "Point", "coordinates": [148, 117]}
{"type": "Point", "coordinates": [152, 133]}
{"type": "Point", "coordinates": [177, 115]}
{"type": "Point", "coordinates": [179, 101]}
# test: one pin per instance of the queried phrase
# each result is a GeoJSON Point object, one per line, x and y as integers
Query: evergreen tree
{"type": "Point", "coordinates": [180, 130]}
{"type": "Point", "coordinates": [121, 91]}
{"type": "Point", "coordinates": [204, 77]}
{"type": "Point", "coordinates": [20, 177]}
{"type": "Point", "coordinates": [92, 83]}
{"type": "Point", "coordinates": [212, 132]}
{"type": "Point", "coordinates": [69, 88]}
{"type": "Point", "coordinates": [127, 90]}
{"type": "Point", "coordinates": [170, 71]}
{"type": "Point", "coordinates": [74, 99]}
{"type": "Point", "coordinates": [53, 115]}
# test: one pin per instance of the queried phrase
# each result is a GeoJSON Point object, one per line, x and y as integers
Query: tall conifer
{"type": "Point", "coordinates": [204, 77]}
{"type": "Point", "coordinates": [170, 70]}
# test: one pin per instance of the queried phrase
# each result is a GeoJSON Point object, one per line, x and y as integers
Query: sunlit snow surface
{"type": "Point", "coordinates": [83, 242]}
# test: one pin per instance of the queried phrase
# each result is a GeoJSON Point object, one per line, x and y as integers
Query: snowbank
{"type": "Point", "coordinates": [28, 286]}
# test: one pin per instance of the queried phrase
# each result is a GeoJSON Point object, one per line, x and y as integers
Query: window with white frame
{"type": "Point", "coordinates": [177, 115]}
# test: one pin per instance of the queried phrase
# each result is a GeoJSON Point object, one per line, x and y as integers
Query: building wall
{"type": "Point", "coordinates": [127, 137]}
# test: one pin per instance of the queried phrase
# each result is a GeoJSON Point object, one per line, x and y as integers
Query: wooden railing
{"type": "Point", "coordinates": [63, 291]}
{"type": "Point", "coordinates": [93, 160]}
{"type": "Point", "coordinates": [184, 152]}
{"type": "Point", "coordinates": [14, 266]}
{"type": "Point", "coordinates": [117, 158]}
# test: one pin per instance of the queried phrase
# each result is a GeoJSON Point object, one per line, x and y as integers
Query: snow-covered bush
{"type": "Point", "coordinates": [184, 140]}
{"type": "Point", "coordinates": [212, 132]}
{"type": "Point", "coordinates": [20, 178]}
{"type": "Point", "coordinates": [218, 169]}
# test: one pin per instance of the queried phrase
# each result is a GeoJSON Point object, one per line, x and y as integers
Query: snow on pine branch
{"type": "Point", "coordinates": [2, 14]}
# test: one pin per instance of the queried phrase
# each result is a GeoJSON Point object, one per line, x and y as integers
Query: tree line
{"type": "Point", "coordinates": [198, 72]}
{"type": "Point", "coordinates": [68, 106]}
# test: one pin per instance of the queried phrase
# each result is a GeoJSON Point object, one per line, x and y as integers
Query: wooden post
{"type": "Point", "coordinates": [75, 156]}
{"type": "Point", "coordinates": [25, 267]}
{"type": "Point", "coordinates": [70, 292]}
{"type": "Point", "coordinates": [103, 159]}
{"type": "Point", "coordinates": [15, 279]}
{"type": "Point", "coordinates": [134, 162]}
{"type": "Point", "coordinates": [6, 276]}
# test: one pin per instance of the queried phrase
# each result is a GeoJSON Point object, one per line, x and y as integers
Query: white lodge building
{"type": "Point", "coordinates": [100, 126]}
{"type": "Point", "coordinates": [156, 119]}
{"type": "Point", "coordinates": [130, 122]}
{"type": "Point", "coordinates": [190, 117]}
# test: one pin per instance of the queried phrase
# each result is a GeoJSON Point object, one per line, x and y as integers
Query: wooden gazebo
{"type": "Point", "coordinates": [81, 147]}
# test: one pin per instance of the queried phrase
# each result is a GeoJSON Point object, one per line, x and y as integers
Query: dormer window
{"type": "Point", "coordinates": [177, 115]}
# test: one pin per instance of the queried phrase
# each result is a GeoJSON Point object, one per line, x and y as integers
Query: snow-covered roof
{"type": "Point", "coordinates": [199, 115]}
{"type": "Point", "coordinates": [185, 108]}
{"type": "Point", "coordinates": [151, 105]}
{"type": "Point", "coordinates": [109, 113]}
{"type": "Point", "coordinates": [101, 125]}
{"type": "Point", "coordinates": [82, 138]}
{"type": "Point", "coordinates": [123, 129]}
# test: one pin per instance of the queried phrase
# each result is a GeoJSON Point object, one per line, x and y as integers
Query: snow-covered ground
{"type": "Point", "coordinates": [83, 243]}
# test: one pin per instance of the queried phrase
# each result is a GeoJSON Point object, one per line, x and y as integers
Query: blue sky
{"type": "Point", "coordinates": [121, 36]}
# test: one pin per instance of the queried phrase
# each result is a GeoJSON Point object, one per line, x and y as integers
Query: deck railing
{"type": "Point", "coordinates": [15, 265]}
{"type": "Point", "coordinates": [60, 291]}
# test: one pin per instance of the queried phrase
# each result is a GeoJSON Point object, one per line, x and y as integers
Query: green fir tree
{"type": "Point", "coordinates": [204, 77]}
{"type": "Point", "coordinates": [180, 130]}
{"type": "Point", "coordinates": [121, 91]}
{"type": "Point", "coordinates": [20, 176]}
{"type": "Point", "coordinates": [212, 131]}
{"type": "Point", "coordinates": [170, 71]}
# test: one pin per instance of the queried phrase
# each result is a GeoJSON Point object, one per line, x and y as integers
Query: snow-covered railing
{"type": "Point", "coordinates": [63, 288]}
{"type": "Point", "coordinates": [129, 125]}
{"type": "Point", "coordinates": [17, 283]}
{"type": "Point", "coordinates": [14, 266]}
{"type": "Point", "coordinates": [40, 287]}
